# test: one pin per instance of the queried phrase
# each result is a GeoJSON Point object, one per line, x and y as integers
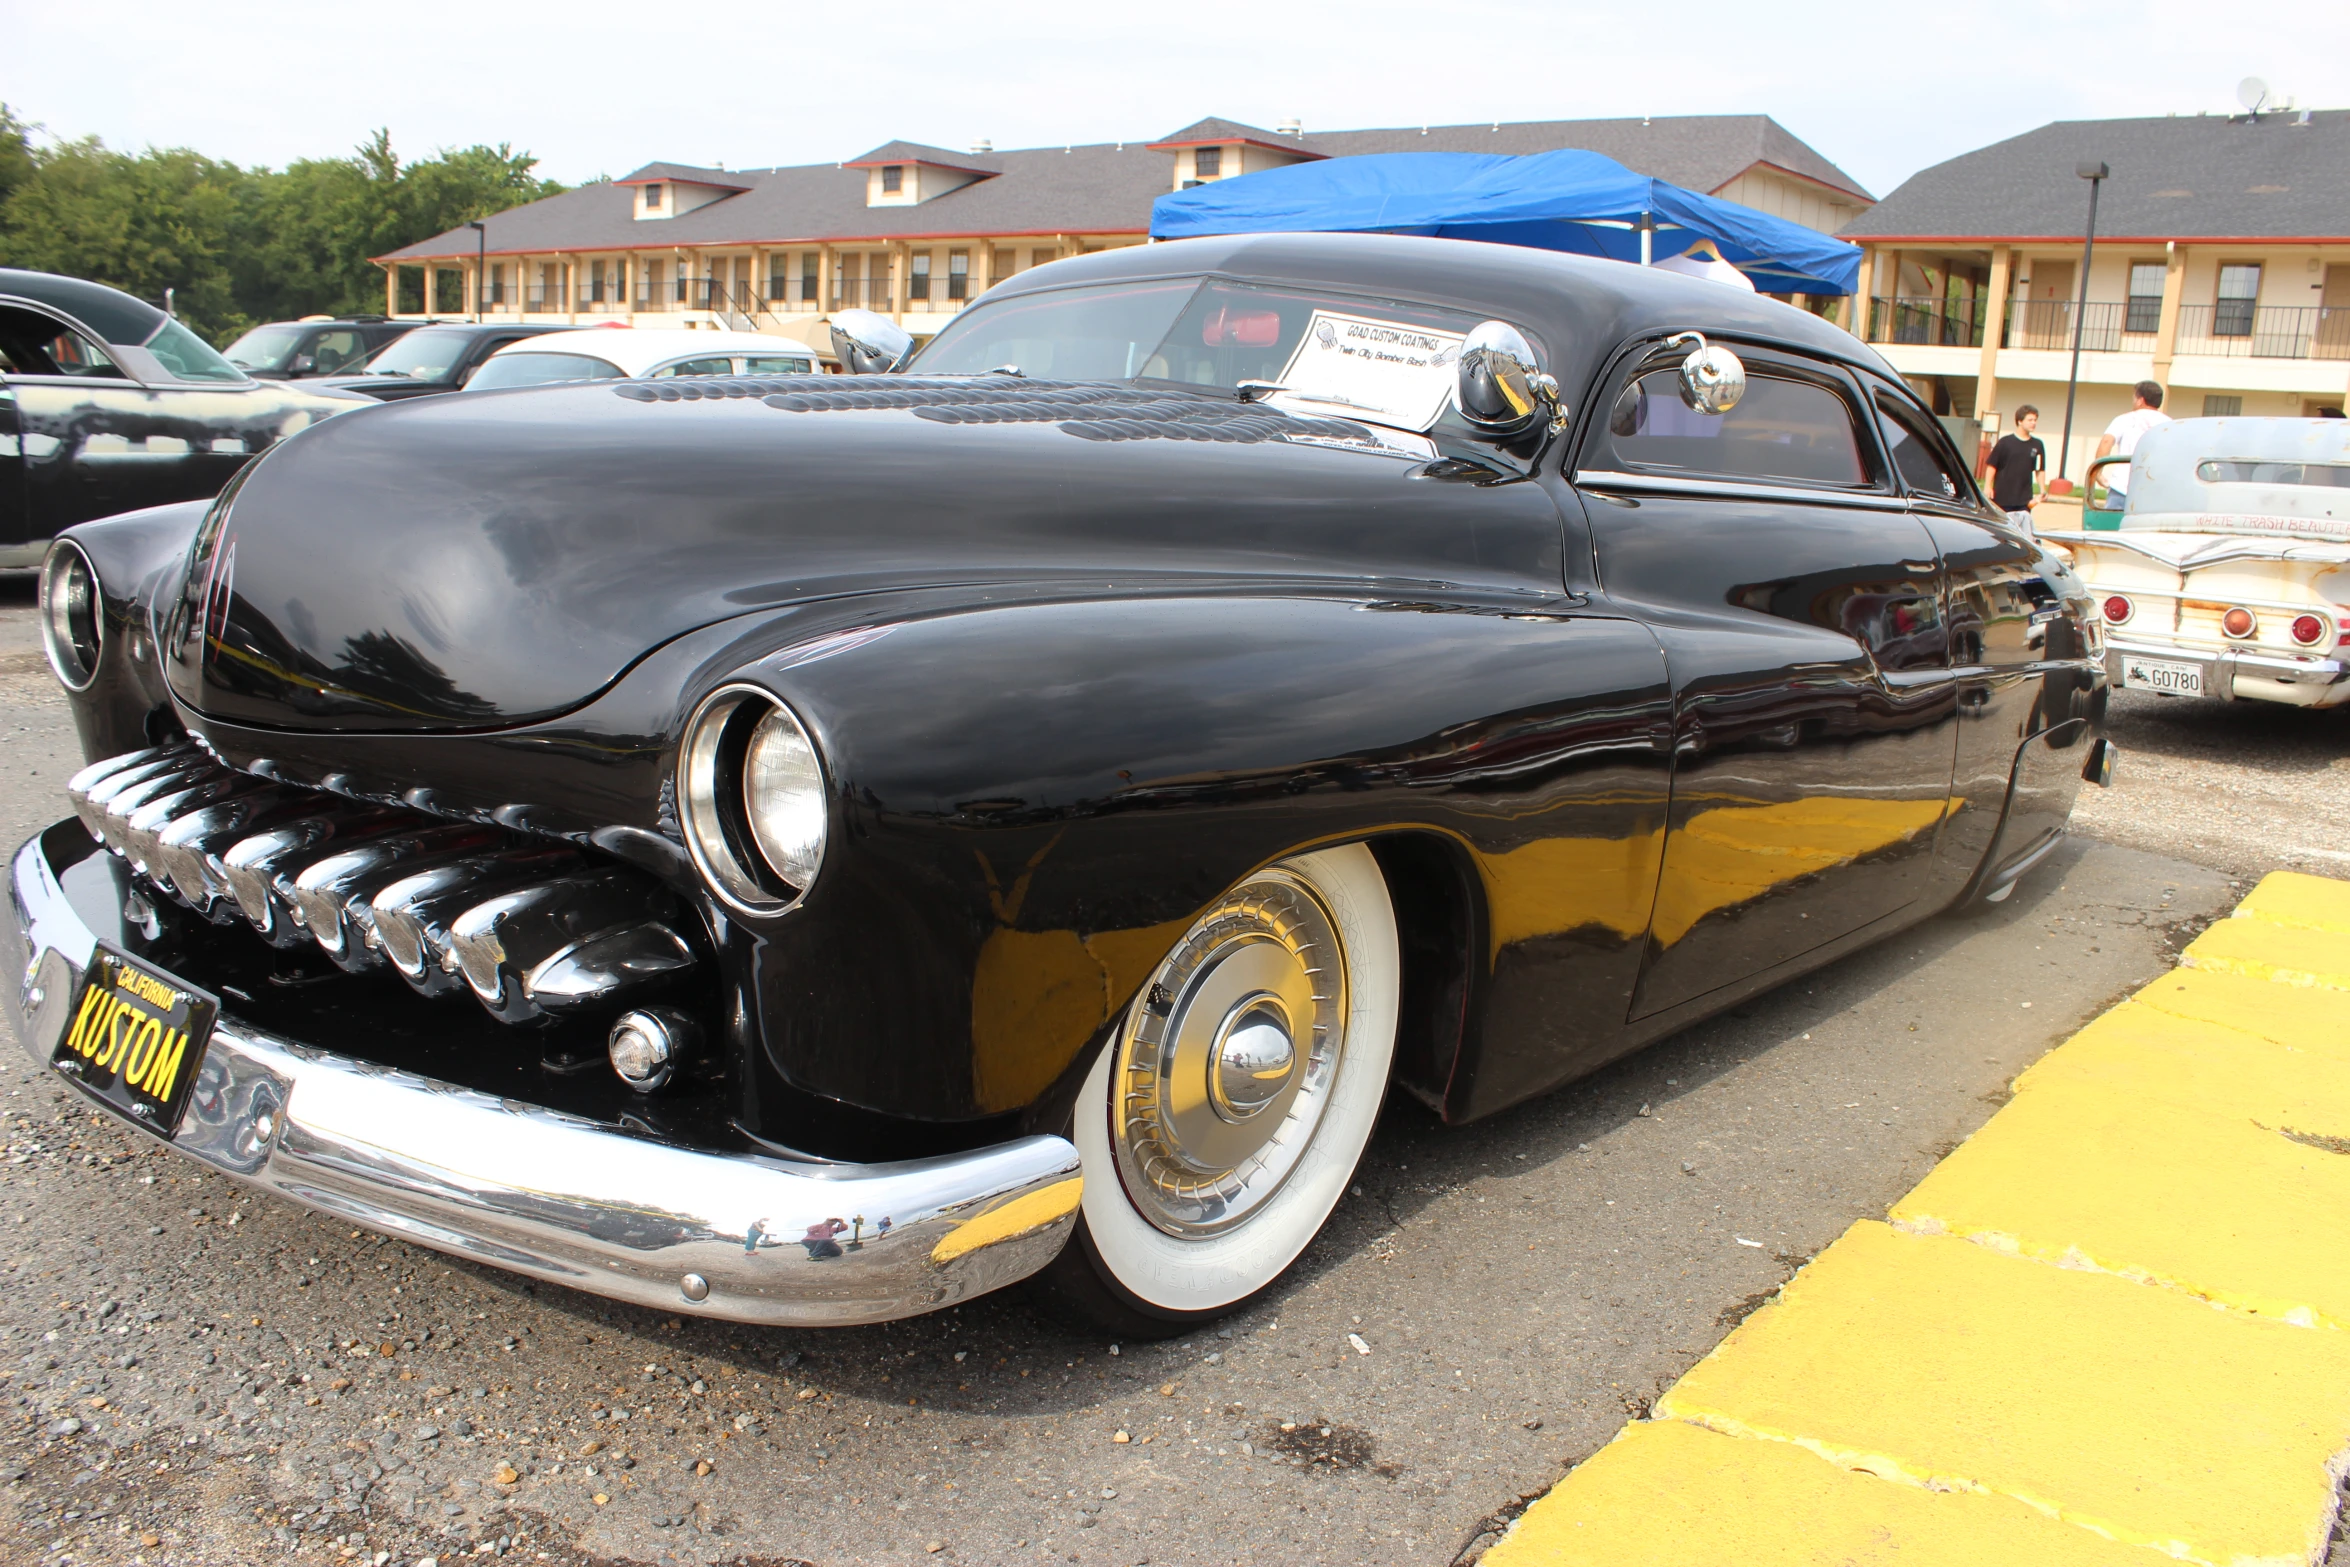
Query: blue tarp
{"type": "Point", "coordinates": [1568, 200]}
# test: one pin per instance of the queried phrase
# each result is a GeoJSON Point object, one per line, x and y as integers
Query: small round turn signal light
{"type": "Point", "coordinates": [2239, 622]}
{"type": "Point", "coordinates": [2308, 630]}
{"type": "Point", "coordinates": [2117, 610]}
{"type": "Point", "coordinates": [647, 1046]}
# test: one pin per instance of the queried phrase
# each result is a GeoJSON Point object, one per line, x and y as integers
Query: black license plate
{"type": "Point", "coordinates": [136, 1038]}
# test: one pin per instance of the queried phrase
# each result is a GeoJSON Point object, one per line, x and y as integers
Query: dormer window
{"type": "Point", "coordinates": [893, 178]}
{"type": "Point", "coordinates": [1208, 162]}
{"type": "Point", "coordinates": [652, 198]}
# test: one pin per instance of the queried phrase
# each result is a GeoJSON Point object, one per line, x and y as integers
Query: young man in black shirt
{"type": "Point", "coordinates": [2014, 460]}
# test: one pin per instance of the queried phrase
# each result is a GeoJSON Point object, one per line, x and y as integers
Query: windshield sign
{"type": "Point", "coordinates": [1332, 357]}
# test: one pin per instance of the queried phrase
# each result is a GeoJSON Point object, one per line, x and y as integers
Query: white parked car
{"type": "Point", "coordinates": [616, 353]}
{"type": "Point", "coordinates": [2229, 574]}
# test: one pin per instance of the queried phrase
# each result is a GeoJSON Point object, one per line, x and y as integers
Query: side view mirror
{"type": "Point", "coordinates": [301, 364]}
{"type": "Point", "coordinates": [867, 343]}
{"type": "Point", "coordinates": [1500, 388]}
{"type": "Point", "coordinates": [1712, 377]}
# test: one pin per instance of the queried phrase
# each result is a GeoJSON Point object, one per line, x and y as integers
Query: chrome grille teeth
{"type": "Point", "coordinates": [530, 928]}
{"type": "Point", "coordinates": [331, 893]}
{"type": "Point", "coordinates": [411, 916]}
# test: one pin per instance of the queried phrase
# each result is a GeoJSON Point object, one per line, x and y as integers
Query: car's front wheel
{"type": "Point", "coordinates": [1221, 1123]}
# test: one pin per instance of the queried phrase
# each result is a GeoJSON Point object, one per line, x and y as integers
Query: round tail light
{"type": "Point", "coordinates": [2239, 622]}
{"type": "Point", "coordinates": [2308, 630]}
{"type": "Point", "coordinates": [2117, 610]}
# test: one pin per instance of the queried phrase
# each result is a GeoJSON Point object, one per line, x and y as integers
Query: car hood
{"type": "Point", "coordinates": [493, 560]}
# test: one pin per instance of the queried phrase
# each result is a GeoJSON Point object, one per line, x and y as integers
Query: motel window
{"type": "Point", "coordinates": [2239, 290]}
{"type": "Point", "coordinates": [2145, 312]}
{"type": "Point", "coordinates": [918, 275]}
{"type": "Point", "coordinates": [652, 198]}
{"type": "Point", "coordinates": [1003, 265]}
{"type": "Point", "coordinates": [2223, 406]}
{"type": "Point", "coordinates": [893, 179]}
{"type": "Point", "coordinates": [1207, 162]}
{"type": "Point", "coordinates": [1042, 254]}
{"type": "Point", "coordinates": [811, 281]}
{"type": "Point", "coordinates": [958, 274]}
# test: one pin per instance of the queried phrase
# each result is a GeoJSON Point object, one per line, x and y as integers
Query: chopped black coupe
{"type": "Point", "coordinates": [807, 849]}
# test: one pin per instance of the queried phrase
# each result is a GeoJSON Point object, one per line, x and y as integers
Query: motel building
{"type": "Point", "coordinates": [917, 232]}
{"type": "Point", "coordinates": [2221, 271]}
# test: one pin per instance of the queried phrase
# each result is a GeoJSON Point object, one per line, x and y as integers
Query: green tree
{"type": "Point", "coordinates": [240, 245]}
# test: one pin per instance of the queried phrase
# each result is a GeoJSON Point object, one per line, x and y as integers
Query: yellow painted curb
{"type": "Point", "coordinates": [2115, 1315]}
{"type": "Point", "coordinates": [1670, 1493]}
{"type": "Point", "coordinates": [2219, 1206]}
{"type": "Point", "coordinates": [2141, 1414]}
{"type": "Point", "coordinates": [2290, 898]}
{"type": "Point", "coordinates": [2259, 949]}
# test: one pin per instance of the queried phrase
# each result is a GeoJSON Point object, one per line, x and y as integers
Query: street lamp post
{"type": "Point", "coordinates": [481, 270]}
{"type": "Point", "coordinates": [2096, 174]}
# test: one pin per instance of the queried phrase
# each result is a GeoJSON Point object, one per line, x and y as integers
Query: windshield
{"type": "Point", "coordinates": [540, 370]}
{"type": "Point", "coordinates": [426, 355]}
{"type": "Point", "coordinates": [189, 357]}
{"type": "Point", "coordinates": [264, 348]}
{"type": "Point", "coordinates": [1331, 355]}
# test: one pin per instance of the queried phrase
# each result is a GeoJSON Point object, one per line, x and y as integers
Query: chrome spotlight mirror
{"type": "Point", "coordinates": [869, 344]}
{"type": "Point", "coordinates": [1501, 389]}
{"type": "Point", "coordinates": [1712, 378]}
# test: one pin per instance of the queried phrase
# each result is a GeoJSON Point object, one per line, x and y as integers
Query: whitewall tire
{"type": "Point", "coordinates": [1221, 1123]}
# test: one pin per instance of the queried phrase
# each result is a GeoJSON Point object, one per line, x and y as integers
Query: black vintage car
{"type": "Point", "coordinates": [107, 404]}
{"type": "Point", "coordinates": [807, 849]}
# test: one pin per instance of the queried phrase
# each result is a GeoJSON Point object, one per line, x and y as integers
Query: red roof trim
{"type": "Point", "coordinates": [928, 163]}
{"type": "Point", "coordinates": [1794, 174]}
{"type": "Point", "coordinates": [672, 179]}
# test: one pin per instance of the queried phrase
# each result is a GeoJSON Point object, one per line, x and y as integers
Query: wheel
{"type": "Point", "coordinates": [1222, 1121]}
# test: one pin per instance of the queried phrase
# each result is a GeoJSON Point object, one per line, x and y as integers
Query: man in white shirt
{"type": "Point", "coordinates": [2121, 439]}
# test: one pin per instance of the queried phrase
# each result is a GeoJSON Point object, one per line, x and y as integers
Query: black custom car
{"type": "Point", "coordinates": [107, 404]}
{"type": "Point", "coordinates": [810, 849]}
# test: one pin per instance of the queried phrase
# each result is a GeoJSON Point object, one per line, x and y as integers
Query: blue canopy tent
{"type": "Point", "coordinates": [1568, 200]}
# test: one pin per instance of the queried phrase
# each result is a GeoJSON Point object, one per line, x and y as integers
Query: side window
{"type": "Point", "coordinates": [35, 344]}
{"type": "Point", "coordinates": [337, 349]}
{"type": "Point", "coordinates": [1918, 456]}
{"type": "Point", "coordinates": [1784, 430]}
{"type": "Point", "coordinates": [720, 366]}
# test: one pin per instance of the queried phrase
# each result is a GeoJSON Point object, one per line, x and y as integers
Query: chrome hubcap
{"type": "Point", "coordinates": [1227, 1061]}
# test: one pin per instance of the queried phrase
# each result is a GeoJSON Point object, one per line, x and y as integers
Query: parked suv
{"type": "Point", "coordinates": [312, 346]}
{"type": "Point", "coordinates": [436, 357]}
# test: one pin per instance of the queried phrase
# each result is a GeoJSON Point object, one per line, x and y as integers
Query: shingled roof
{"type": "Point", "coordinates": [2191, 177]}
{"type": "Point", "coordinates": [1099, 189]}
{"type": "Point", "coordinates": [937, 157]}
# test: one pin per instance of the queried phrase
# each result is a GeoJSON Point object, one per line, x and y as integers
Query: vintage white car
{"type": "Point", "coordinates": [2229, 574]}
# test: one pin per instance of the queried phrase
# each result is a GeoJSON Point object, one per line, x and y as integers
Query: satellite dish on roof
{"type": "Point", "coordinates": [2252, 92]}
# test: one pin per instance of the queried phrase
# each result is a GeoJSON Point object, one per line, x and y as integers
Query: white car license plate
{"type": "Point", "coordinates": [2154, 674]}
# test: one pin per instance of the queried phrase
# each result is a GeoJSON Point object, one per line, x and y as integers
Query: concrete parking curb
{"type": "Point", "coordinates": [2112, 1320]}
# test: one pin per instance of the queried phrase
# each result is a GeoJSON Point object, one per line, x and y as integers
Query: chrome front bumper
{"type": "Point", "coordinates": [749, 1238]}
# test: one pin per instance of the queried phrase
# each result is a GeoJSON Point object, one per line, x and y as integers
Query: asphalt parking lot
{"type": "Point", "coordinates": [199, 1375]}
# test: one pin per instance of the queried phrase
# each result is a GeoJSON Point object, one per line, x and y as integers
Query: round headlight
{"type": "Point", "coordinates": [72, 620]}
{"type": "Point", "coordinates": [752, 792]}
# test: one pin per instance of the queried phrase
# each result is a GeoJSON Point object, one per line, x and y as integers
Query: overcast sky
{"type": "Point", "coordinates": [595, 88]}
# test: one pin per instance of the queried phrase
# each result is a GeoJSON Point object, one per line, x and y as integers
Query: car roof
{"type": "Point", "coordinates": [636, 351]}
{"type": "Point", "coordinates": [475, 328]}
{"type": "Point", "coordinates": [114, 315]}
{"type": "Point", "coordinates": [1582, 304]}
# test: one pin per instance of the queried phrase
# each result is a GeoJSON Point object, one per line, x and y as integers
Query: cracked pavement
{"type": "Point", "coordinates": [251, 1380]}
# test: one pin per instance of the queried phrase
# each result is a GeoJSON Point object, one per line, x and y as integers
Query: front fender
{"type": "Point", "coordinates": [1034, 800]}
{"type": "Point", "coordinates": [136, 557]}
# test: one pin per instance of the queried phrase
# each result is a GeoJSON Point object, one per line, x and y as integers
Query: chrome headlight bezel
{"type": "Point", "coordinates": [717, 814]}
{"type": "Point", "coordinates": [73, 615]}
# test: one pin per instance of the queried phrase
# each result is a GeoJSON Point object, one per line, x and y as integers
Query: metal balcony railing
{"type": "Point", "coordinates": [544, 300]}
{"type": "Point", "coordinates": [2048, 323]}
{"type": "Point", "coordinates": [1952, 323]}
{"type": "Point", "coordinates": [850, 293]}
{"type": "Point", "coordinates": [2239, 329]}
